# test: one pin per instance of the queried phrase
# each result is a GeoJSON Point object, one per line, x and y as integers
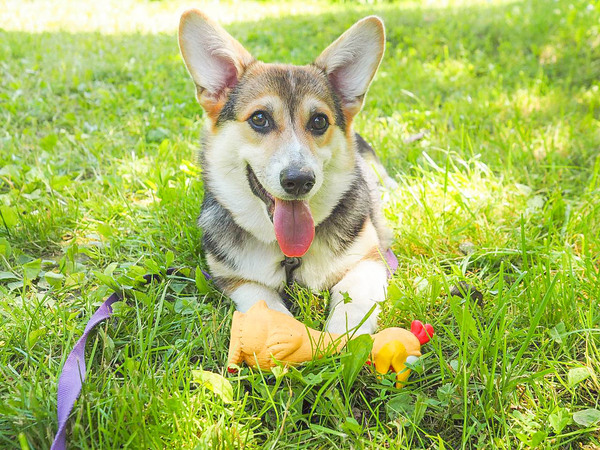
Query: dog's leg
{"type": "Point", "coordinates": [363, 287]}
{"type": "Point", "coordinates": [249, 293]}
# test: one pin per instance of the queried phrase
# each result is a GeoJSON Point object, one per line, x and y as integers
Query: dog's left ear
{"type": "Point", "coordinates": [352, 60]}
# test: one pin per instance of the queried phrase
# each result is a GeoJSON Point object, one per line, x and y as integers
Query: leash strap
{"type": "Point", "coordinates": [72, 376]}
{"type": "Point", "coordinates": [73, 373]}
{"type": "Point", "coordinates": [391, 261]}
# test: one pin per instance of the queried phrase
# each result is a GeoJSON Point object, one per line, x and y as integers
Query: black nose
{"type": "Point", "coordinates": [297, 181]}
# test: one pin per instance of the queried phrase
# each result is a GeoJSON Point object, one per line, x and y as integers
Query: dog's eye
{"type": "Point", "coordinates": [318, 123]}
{"type": "Point", "coordinates": [260, 121]}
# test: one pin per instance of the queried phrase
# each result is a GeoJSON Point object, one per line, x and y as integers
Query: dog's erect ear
{"type": "Point", "coordinates": [213, 58]}
{"type": "Point", "coordinates": [352, 60]}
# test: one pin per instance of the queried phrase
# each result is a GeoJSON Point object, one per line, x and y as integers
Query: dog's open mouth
{"type": "Point", "coordinates": [260, 191]}
{"type": "Point", "coordinates": [292, 219]}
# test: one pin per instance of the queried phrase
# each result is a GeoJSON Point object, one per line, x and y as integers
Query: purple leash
{"type": "Point", "coordinates": [391, 261]}
{"type": "Point", "coordinates": [73, 372]}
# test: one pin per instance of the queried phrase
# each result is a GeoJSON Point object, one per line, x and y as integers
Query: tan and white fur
{"type": "Point", "coordinates": [264, 120]}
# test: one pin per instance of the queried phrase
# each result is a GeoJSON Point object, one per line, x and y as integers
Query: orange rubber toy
{"type": "Point", "coordinates": [262, 336]}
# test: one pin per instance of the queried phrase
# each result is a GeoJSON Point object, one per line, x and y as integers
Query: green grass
{"type": "Point", "coordinates": [98, 185]}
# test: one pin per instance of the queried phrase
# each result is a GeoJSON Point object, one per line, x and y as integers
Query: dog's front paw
{"type": "Point", "coordinates": [345, 318]}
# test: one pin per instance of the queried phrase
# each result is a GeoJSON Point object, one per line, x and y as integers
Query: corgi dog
{"type": "Point", "coordinates": [290, 190]}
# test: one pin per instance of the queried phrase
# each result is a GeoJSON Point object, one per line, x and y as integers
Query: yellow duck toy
{"type": "Point", "coordinates": [262, 336]}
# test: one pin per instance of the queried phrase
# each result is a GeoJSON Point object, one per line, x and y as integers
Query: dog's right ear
{"type": "Point", "coordinates": [352, 60]}
{"type": "Point", "coordinates": [213, 58]}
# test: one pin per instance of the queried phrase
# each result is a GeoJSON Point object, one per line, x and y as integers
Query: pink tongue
{"type": "Point", "coordinates": [294, 226]}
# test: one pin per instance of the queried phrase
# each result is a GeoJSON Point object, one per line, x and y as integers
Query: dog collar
{"type": "Point", "coordinates": [290, 264]}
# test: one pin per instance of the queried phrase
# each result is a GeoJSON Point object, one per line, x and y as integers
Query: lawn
{"type": "Point", "coordinates": [487, 114]}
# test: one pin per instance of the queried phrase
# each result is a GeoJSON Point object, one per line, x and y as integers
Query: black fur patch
{"type": "Point", "coordinates": [364, 148]}
{"type": "Point", "coordinates": [228, 111]}
{"type": "Point", "coordinates": [217, 222]}
{"type": "Point", "coordinates": [348, 217]}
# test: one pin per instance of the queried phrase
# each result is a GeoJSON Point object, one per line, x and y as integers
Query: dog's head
{"type": "Point", "coordinates": [280, 133]}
